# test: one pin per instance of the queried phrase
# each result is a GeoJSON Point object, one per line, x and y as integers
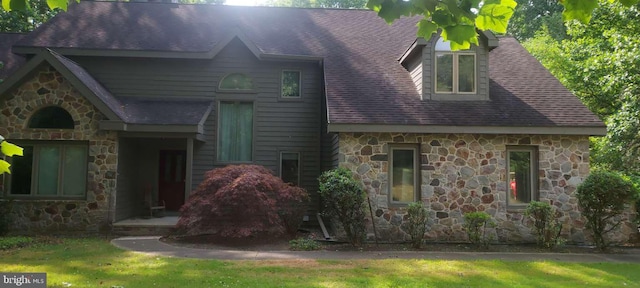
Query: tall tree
{"type": "Point", "coordinates": [26, 20]}
{"type": "Point", "coordinates": [531, 15]}
{"type": "Point", "coordinates": [600, 63]}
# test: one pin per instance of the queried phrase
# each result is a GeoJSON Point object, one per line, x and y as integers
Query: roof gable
{"type": "Point", "coordinates": [365, 83]}
{"type": "Point", "coordinates": [77, 76]}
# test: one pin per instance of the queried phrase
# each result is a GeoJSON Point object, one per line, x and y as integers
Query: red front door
{"type": "Point", "coordinates": [171, 178]}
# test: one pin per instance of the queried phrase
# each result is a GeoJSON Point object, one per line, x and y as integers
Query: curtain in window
{"type": "Point", "coordinates": [235, 137]}
{"type": "Point", "coordinates": [444, 73]}
{"type": "Point", "coordinates": [466, 73]}
{"type": "Point", "coordinates": [48, 170]}
{"type": "Point", "coordinates": [75, 164]}
{"type": "Point", "coordinates": [403, 178]}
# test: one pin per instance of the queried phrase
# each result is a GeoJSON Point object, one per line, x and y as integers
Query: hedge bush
{"type": "Point", "coordinates": [344, 199]}
{"type": "Point", "coordinates": [475, 224]}
{"type": "Point", "coordinates": [545, 224]}
{"type": "Point", "coordinates": [241, 201]}
{"type": "Point", "coordinates": [417, 223]}
{"type": "Point", "coordinates": [603, 196]}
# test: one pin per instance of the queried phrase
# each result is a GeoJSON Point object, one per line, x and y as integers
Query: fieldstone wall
{"type": "Point", "coordinates": [49, 88]}
{"type": "Point", "coordinates": [467, 172]}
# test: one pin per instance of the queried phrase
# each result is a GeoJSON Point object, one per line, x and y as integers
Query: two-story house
{"type": "Point", "coordinates": [113, 101]}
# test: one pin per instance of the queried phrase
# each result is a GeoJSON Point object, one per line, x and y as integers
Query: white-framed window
{"type": "Point", "coordinates": [235, 131]}
{"type": "Point", "coordinates": [291, 84]}
{"type": "Point", "coordinates": [522, 180]}
{"type": "Point", "coordinates": [50, 169]}
{"type": "Point", "coordinates": [404, 183]}
{"type": "Point", "coordinates": [290, 167]}
{"type": "Point", "coordinates": [455, 71]}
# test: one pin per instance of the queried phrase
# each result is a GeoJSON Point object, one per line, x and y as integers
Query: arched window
{"type": "Point", "coordinates": [236, 81]}
{"type": "Point", "coordinates": [51, 117]}
{"type": "Point", "coordinates": [455, 70]}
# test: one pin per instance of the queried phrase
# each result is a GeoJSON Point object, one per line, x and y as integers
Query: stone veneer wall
{"type": "Point", "coordinates": [467, 172]}
{"type": "Point", "coordinates": [49, 88]}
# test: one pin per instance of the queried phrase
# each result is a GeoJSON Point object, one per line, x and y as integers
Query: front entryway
{"type": "Point", "coordinates": [171, 178]}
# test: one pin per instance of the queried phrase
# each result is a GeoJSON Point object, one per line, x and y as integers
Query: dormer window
{"type": "Point", "coordinates": [455, 70]}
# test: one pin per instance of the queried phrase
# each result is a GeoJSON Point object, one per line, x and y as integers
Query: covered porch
{"type": "Point", "coordinates": [154, 179]}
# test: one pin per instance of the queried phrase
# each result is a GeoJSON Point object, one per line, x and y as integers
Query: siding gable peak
{"type": "Point", "coordinates": [235, 33]}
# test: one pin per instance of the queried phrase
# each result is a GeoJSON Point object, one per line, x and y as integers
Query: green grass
{"type": "Point", "coordinates": [95, 263]}
{"type": "Point", "coordinates": [14, 242]}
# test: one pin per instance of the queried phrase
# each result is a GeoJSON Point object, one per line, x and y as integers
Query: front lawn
{"type": "Point", "coordinates": [96, 263]}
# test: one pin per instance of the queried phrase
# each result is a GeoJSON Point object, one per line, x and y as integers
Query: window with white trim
{"type": "Point", "coordinates": [522, 178]}
{"type": "Point", "coordinates": [291, 80]}
{"type": "Point", "coordinates": [403, 176]}
{"type": "Point", "coordinates": [50, 170]}
{"type": "Point", "coordinates": [455, 71]}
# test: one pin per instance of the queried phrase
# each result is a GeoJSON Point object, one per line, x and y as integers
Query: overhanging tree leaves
{"type": "Point", "coordinates": [9, 150]}
{"type": "Point", "coordinates": [28, 19]}
{"type": "Point", "coordinates": [459, 19]}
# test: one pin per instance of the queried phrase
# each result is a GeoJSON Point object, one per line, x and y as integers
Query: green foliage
{"type": "Point", "coordinates": [532, 16]}
{"type": "Point", "coordinates": [9, 150]}
{"type": "Point", "coordinates": [417, 223]}
{"type": "Point", "coordinates": [27, 19]}
{"type": "Point", "coordinates": [600, 64]}
{"type": "Point", "coordinates": [7, 243]}
{"type": "Point", "coordinates": [458, 20]}
{"type": "Point", "coordinates": [475, 223]}
{"type": "Point", "coordinates": [304, 244]}
{"type": "Point", "coordinates": [603, 196]}
{"type": "Point", "coordinates": [344, 199]}
{"type": "Point", "coordinates": [546, 226]}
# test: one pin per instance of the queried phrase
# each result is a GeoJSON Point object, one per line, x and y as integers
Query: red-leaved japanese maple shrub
{"type": "Point", "coordinates": [242, 201]}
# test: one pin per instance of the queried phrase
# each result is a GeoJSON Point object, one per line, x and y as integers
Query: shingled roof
{"type": "Point", "coordinates": [365, 83]}
{"type": "Point", "coordinates": [11, 61]}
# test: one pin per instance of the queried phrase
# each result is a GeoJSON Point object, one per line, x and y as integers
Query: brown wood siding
{"type": "Point", "coordinates": [127, 197]}
{"type": "Point", "coordinates": [279, 124]}
{"type": "Point", "coordinates": [414, 66]}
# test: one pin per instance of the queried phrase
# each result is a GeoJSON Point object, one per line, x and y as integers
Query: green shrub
{"type": "Point", "coordinates": [603, 196]}
{"type": "Point", "coordinates": [417, 223]}
{"type": "Point", "coordinates": [546, 226]}
{"type": "Point", "coordinates": [304, 244]}
{"type": "Point", "coordinates": [344, 199]}
{"type": "Point", "coordinates": [475, 224]}
{"type": "Point", "coordinates": [14, 242]}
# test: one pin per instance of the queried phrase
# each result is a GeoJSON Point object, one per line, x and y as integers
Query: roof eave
{"type": "Point", "coordinates": [400, 128]}
{"type": "Point", "coordinates": [152, 128]}
{"type": "Point", "coordinates": [415, 46]}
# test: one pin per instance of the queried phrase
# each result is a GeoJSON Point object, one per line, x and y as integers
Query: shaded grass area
{"type": "Point", "coordinates": [96, 263]}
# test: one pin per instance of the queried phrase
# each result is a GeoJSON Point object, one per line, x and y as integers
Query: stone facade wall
{"type": "Point", "coordinates": [462, 173]}
{"type": "Point", "coordinates": [49, 88]}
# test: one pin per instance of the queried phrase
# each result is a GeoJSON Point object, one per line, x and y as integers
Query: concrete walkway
{"type": "Point", "coordinates": [153, 246]}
